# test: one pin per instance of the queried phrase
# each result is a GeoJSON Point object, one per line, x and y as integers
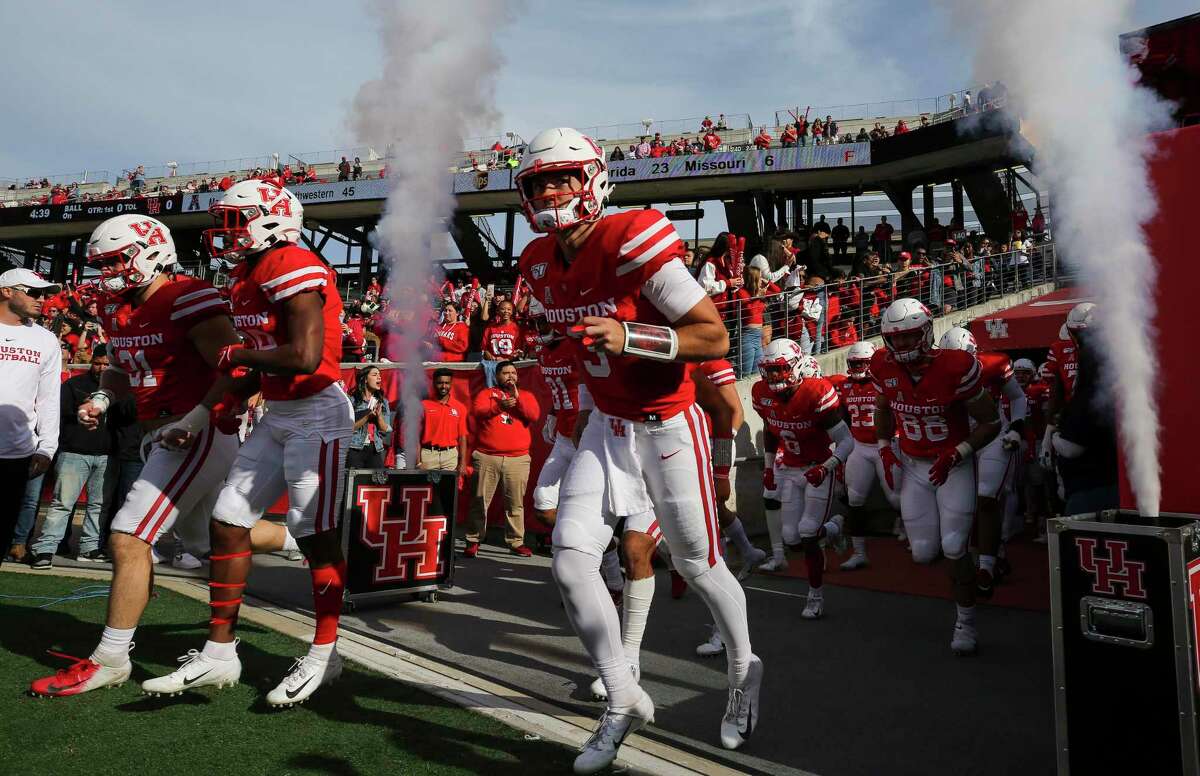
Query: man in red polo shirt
{"type": "Point", "coordinates": [502, 418]}
{"type": "Point", "coordinates": [443, 428]}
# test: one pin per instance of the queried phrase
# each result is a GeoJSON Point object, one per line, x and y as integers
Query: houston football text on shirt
{"type": "Point", "coordinates": [798, 420]}
{"type": "Point", "coordinates": [931, 412]}
{"type": "Point", "coordinates": [25, 355]}
{"type": "Point", "coordinates": [859, 396]}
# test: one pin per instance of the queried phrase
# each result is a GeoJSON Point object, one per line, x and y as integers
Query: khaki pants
{"type": "Point", "coordinates": [439, 460]}
{"type": "Point", "coordinates": [511, 473]}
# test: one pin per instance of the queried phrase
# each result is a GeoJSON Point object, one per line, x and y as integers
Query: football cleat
{"type": "Point", "coordinates": [964, 643]}
{"type": "Point", "coordinates": [741, 712]}
{"type": "Point", "coordinates": [198, 670]}
{"type": "Point", "coordinates": [186, 560]}
{"type": "Point", "coordinates": [713, 647]}
{"type": "Point", "coordinates": [856, 561]}
{"type": "Point", "coordinates": [749, 563]}
{"type": "Point", "coordinates": [838, 540]}
{"type": "Point", "coordinates": [306, 676]}
{"type": "Point", "coordinates": [815, 608]}
{"type": "Point", "coordinates": [83, 675]}
{"type": "Point", "coordinates": [599, 752]}
{"type": "Point", "coordinates": [776, 563]}
{"type": "Point", "coordinates": [985, 585]}
{"type": "Point", "coordinates": [600, 692]}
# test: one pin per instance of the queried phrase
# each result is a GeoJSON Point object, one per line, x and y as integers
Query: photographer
{"type": "Point", "coordinates": [502, 416]}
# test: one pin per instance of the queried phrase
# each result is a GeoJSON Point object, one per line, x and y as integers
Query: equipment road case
{"type": "Point", "coordinates": [1123, 592]}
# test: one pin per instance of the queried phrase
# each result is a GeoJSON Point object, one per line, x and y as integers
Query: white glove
{"type": "Point", "coordinates": [1066, 448]}
{"type": "Point", "coordinates": [548, 429]}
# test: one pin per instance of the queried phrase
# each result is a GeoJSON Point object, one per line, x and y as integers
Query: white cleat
{"type": "Point", "coordinates": [965, 642]}
{"type": "Point", "coordinates": [198, 670]}
{"type": "Point", "coordinates": [186, 560]}
{"type": "Point", "coordinates": [855, 561]}
{"type": "Point", "coordinates": [600, 692]}
{"type": "Point", "coordinates": [83, 675]}
{"type": "Point", "coordinates": [615, 726]}
{"type": "Point", "coordinates": [776, 563]}
{"type": "Point", "coordinates": [741, 712]}
{"type": "Point", "coordinates": [306, 676]}
{"type": "Point", "coordinates": [749, 563]}
{"type": "Point", "coordinates": [814, 609]}
{"type": "Point", "coordinates": [838, 539]}
{"type": "Point", "coordinates": [713, 647]}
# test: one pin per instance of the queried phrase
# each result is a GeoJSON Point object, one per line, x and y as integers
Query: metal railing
{"type": "Point", "coordinates": [838, 314]}
{"type": "Point", "coordinates": [869, 111]}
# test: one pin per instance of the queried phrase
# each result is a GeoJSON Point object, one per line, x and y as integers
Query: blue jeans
{"type": "Point", "coordinates": [74, 471]}
{"type": "Point", "coordinates": [751, 351]}
{"type": "Point", "coordinates": [489, 372]}
{"type": "Point", "coordinates": [29, 509]}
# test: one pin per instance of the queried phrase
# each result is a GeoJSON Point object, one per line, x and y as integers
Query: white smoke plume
{"type": "Point", "coordinates": [1078, 98]}
{"type": "Point", "coordinates": [440, 64]}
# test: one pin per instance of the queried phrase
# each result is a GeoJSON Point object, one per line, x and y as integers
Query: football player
{"type": "Point", "coordinates": [287, 308]}
{"type": "Point", "coordinates": [931, 396]}
{"type": "Point", "coordinates": [863, 467]}
{"type": "Point", "coordinates": [802, 415]}
{"type": "Point", "coordinates": [1037, 394]}
{"type": "Point", "coordinates": [998, 461]}
{"type": "Point", "coordinates": [617, 285]}
{"type": "Point", "coordinates": [1063, 363]}
{"type": "Point", "coordinates": [166, 333]}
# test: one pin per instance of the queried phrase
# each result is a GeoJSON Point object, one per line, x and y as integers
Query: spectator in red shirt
{"type": "Point", "coordinates": [502, 417]}
{"type": "Point", "coordinates": [1038, 225]}
{"type": "Point", "coordinates": [225, 183]}
{"type": "Point", "coordinates": [752, 298]}
{"type": "Point", "coordinates": [452, 336]}
{"type": "Point", "coordinates": [1020, 219]}
{"type": "Point", "coordinates": [501, 340]}
{"type": "Point", "coordinates": [706, 125]}
{"type": "Point", "coordinates": [901, 127]}
{"type": "Point", "coordinates": [802, 130]}
{"type": "Point", "coordinates": [354, 339]}
{"type": "Point", "coordinates": [883, 237]}
{"type": "Point", "coordinates": [789, 136]}
{"type": "Point", "coordinates": [712, 141]}
{"type": "Point", "coordinates": [763, 141]}
{"type": "Point", "coordinates": [373, 287]}
{"type": "Point", "coordinates": [818, 131]}
{"type": "Point", "coordinates": [443, 428]}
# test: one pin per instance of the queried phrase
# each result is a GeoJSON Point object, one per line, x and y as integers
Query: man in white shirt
{"type": "Point", "coordinates": [29, 393]}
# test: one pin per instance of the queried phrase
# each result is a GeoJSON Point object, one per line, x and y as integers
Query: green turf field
{"type": "Point", "coordinates": [363, 724]}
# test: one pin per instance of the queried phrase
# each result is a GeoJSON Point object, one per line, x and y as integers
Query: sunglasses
{"type": "Point", "coordinates": [32, 293]}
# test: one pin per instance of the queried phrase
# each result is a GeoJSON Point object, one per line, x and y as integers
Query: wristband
{"type": "Point", "coordinates": [101, 399]}
{"type": "Point", "coordinates": [964, 449]}
{"type": "Point", "coordinates": [832, 463]}
{"type": "Point", "coordinates": [721, 472]}
{"type": "Point", "coordinates": [722, 453]}
{"type": "Point", "coordinates": [644, 340]}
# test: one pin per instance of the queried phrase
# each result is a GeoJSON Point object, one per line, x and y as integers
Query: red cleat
{"type": "Point", "coordinates": [522, 551]}
{"type": "Point", "coordinates": [79, 677]}
{"type": "Point", "coordinates": [471, 550]}
{"type": "Point", "coordinates": [678, 585]}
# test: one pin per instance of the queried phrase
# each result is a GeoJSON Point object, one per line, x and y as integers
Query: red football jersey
{"type": "Point", "coordinates": [560, 371]}
{"type": "Point", "coordinates": [150, 343]}
{"type": "Point", "coordinates": [859, 396]}
{"type": "Point", "coordinates": [931, 413]}
{"type": "Point", "coordinates": [1064, 361]}
{"type": "Point", "coordinates": [606, 278]}
{"type": "Point", "coordinates": [718, 371]}
{"type": "Point", "coordinates": [260, 288]}
{"type": "Point", "coordinates": [798, 420]}
{"type": "Point", "coordinates": [502, 340]}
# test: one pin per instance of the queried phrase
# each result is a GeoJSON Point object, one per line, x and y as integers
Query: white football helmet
{"type": "Point", "coordinates": [780, 364]}
{"type": "Point", "coordinates": [1080, 318]}
{"type": "Point", "coordinates": [1062, 332]}
{"type": "Point", "coordinates": [563, 150]}
{"type": "Point", "coordinates": [858, 359]}
{"type": "Point", "coordinates": [958, 338]}
{"type": "Point", "coordinates": [906, 316]}
{"type": "Point", "coordinates": [1023, 370]}
{"type": "Point", "coordinates": [252, 216]}
{"type": "Point", "coordinates": [1044, 371]}
{"type": "Point", "coordinates": [130, 251]}
{"type": "Point", "coordinates": [810, 367]}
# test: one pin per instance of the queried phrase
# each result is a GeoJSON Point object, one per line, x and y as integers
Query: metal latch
{"type": "Point", "coordinates": [1122, 623]}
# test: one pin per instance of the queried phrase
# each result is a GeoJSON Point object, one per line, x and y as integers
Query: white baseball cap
{"type": "Point", "coordinates": [761, 262]}
{"type": "Point", "coordinates": [27, 278]}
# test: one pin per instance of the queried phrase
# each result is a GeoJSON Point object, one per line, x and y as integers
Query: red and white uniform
{"type": "Point", "coordinates": [863, 467]}
{"type": "Point", "coordinates": [931, 418]}
{"type": "Point", "coordinates": [452, 341]}
{"type": "Point", "coordinates": [646, 441]}
{"type": "Point", "coordinates": [997, 464]}
{"type": "Point", "coordinates": [502, 340]}
{"type": "Point", "coordinates": [300, 444]}
{"type": "Point", "coordinates": [168, 377]}
{"type": "Point", "coordinates": [560, 372]}
{"type": "Point", "coordinates": [798, 421]}
{"type": "Point", "coordinates": [1063, 359]}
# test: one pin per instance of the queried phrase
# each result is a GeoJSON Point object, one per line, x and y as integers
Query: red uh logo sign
{"type": "Point", "coordinates": [1113, 571]}
{"type": "Point", "coordinates": [408, 533]}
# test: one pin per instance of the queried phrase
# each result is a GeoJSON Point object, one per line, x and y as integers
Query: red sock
{"type": "Point", "coordinates": [329, 582]}
{"type": "Point", "coordinates": [814, 560]}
